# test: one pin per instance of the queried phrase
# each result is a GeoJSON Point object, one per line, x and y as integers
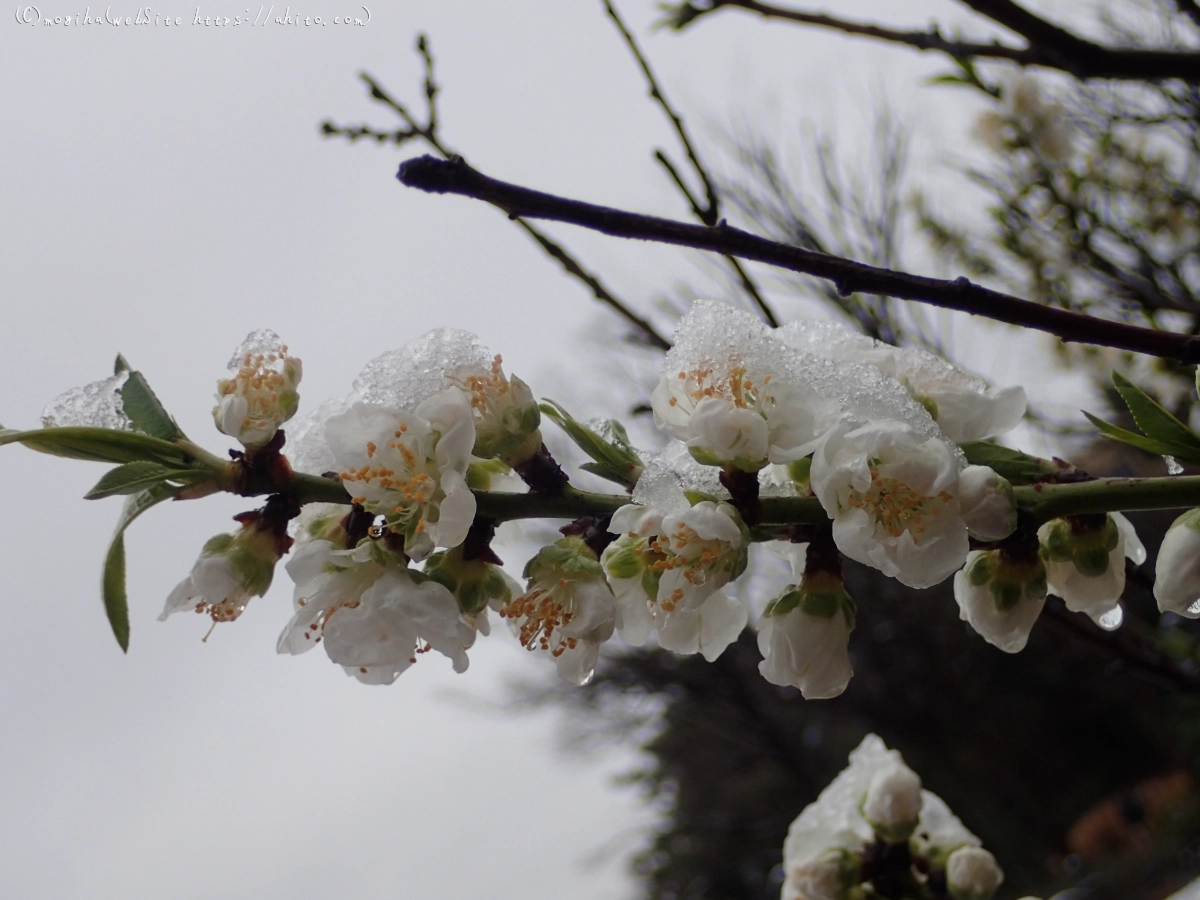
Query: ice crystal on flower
{"type": "Point", "coordinates": [306, 447]}
{"type": "Point", "coordinates": [263, 342]}
{"type": "Point", "coordinates": [95, 405]}
{"type": "Point", "coordinates": [402, 378]}
{"type": "Point", "coordinates": [669, 473]}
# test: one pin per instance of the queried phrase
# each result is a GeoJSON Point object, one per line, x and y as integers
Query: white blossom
{"type": "Point", "coordinates": [372, 613]}
{"type": "Point", "coordinates": [893, 500]}
{"type": "Point", "coordinates": [893, 802]}
{"type": "Point", "coordinates": [826, 876]}
{"type": "Point", "coordinates": [667, 572]}
{"type": "Point", "coordinates": [986, 503]}
{"type": "Point", "coordinates": [1086, 565]}
{"type": "Point", "coordinates": [1001, 597]}
{"type": "Point", "coordinates": [1177, 569]}
{"type": "Point", "coordinates": [231, 569]}
{"type": "Point", "coordinates": [410, 467]}
{"type": "Point", "coordinates": [972, 874]}
{"type": "Point", "coordinates": [804, 637]}
{"type": "Point", "coordinates": [567, 610]}
{"type": "Point", "coordinates": [260, 394]}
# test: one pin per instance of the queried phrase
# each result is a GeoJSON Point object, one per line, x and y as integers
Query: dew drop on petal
{"type": "Point", "coordinates": [95, 405]}
{"type": "Point", "coordinates": [1173, 466]}
{"type": "Point", "coordinates": [1112, 619]}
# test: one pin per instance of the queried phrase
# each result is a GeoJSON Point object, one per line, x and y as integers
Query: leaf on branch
{"type": "Point", "coordinates": [98, 445]}
{"type": "Point", "coordinates": [614, 458]}
{"type": "Point", "coordinates": [1154, 421]}
{"type": "Point", "coordinates": [135, 476]}
{"type": "Point", "coordinates": [1017, 467]}
{"type": "Point", "coordinates": [112, 584]}
{"type": "Point", "coordinates": [143, 408]}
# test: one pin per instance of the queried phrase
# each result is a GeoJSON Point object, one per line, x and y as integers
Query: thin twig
{"type": "Point", "coordinates": [456, 177]}
{"type": "Point", "coordinates": [646, 333]}
{"type": "Point", "coordinates": [710, 213]}
{"type": "Point", "coordinates": [1081, 58]}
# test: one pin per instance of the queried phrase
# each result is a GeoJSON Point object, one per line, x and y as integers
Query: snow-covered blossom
{"type": "Point", "coordinates": [1177, 570]}
{"type": "Point", "coordinates": [410, 467]}
{"type": "Point", "coordinates": [727, 391]}
{"type": "Point", "coordinates": [826, 841]}
{"type": "Point", "coordinates": [506, 414]}
{"type": "Point", "coordinates": [667, 572]}
{"type": "Point", "coordinates": [231, 569]}
{"type": "Point", "coordinates": [804, 637]}
{"type": "Point", "coordinates": [374, 615]}
{"type": "Point", "coordinates": [1001, 595]}
{"type": "Point", "coordinates": [893, 802]}
{"type": "Point", "coordinates": [972, 874]}
{"type": "Point", "coordinates": [986, 503]}
{"type": "Point", "coordinates": [1085, 563]}
{"type": "Point", "coordinates": [260, 394]}
{"type": "Point", "coordinates": [893, 500]}
{"type": "Point", "coordinates": [963, 406]}
{"type": "Point", "coordinates": [567, 609]}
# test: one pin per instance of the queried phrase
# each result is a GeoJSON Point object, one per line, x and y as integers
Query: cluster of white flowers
{"type": "Point", "coordinates": [872, 432]}
{"type": "Point", "coordinates": [877, 802]}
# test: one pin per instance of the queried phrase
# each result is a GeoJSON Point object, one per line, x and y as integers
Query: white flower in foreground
{"type": "Point", "coordinates": [727, 391]}
{"type": "Point", "coordinates": [667, 573]}
{"type": "Point", "coordinates": [372, 613]}
{"type": "Point", "coordinates": [506, 414]}
{"type": "Point", "coordinates": [568, 609]}
{"type": "Point", "coordinates": [893, 500]}
{"type": "Point", "coordinates": [231, 569]}
{"type": "Point", "coordinates": [1177, 570]}
{"type": "Point", "coordinates": [804, 637]}
{"type": "Point", "coordinates": [986, 503]}
{"type": "Point", "coordinates": [1085, 562]}
{"type": "Point", "coordinates": [963, 406]}
{"type": "Point", "coordinates": [972, 874]}
{"type": "Point", "coordinates": [1001, 596]}
{"type": "Point", "coordinates": [410, 467]}
{"type": "Point", "coordinates": [260, 395]}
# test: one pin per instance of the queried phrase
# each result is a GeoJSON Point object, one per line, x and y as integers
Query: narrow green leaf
{"type": "Point", "coordinates": [1158, 448]}
{"type": "Point", "coordinates": [112, 582]}
{"type": "Point", "coordinates": [1017, 467]}
{"type": "Point", "coordinates": [1154, 421]}
{"type": "Point", "coordinates": [97, 444]}
{"type": "Point", "coordinates": [145, 411]}
{"type": "Point", "coordinates": [133, 477]}
{"type": "Point", "coordinates": [121, 365]}
{"type": "Point", "coordinates": [614, 460]}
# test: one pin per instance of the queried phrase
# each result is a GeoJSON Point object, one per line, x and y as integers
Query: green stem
{"type": "Point", "coordinates": [1042, 501]}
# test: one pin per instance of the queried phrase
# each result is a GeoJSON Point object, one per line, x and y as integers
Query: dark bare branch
{"type": "Point", "coordinates": [456, 177]}
{"type": "Point", "coordinates": [710, 213]}
{"type": "Point", "coordinates": [1070, 53]}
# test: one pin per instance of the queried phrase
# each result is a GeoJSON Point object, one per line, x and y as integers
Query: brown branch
{"type": "Point", "coordinates": [456, 177]}
{"type": "Point", "coordinates": [709, 214]}
{"type": "Point", "coordinates": [1121, 645]}
{"type": "Point", "coordinates": [1072, 54]}
{"type": "Point", "coordinates": [647, 333]}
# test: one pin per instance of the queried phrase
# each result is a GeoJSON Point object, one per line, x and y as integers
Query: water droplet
{"type": "Point", "coordinates": [1173, 466]}
{"type": "Point", "coordinates": [1112, 619]}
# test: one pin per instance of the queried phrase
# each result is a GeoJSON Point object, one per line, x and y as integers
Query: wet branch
{"type": "Point", "coordinates": [1049, 45]}
{"type": "Point", "coordinates": [456, 177]}
{"type": "Point", "coordinates": [710, 212]}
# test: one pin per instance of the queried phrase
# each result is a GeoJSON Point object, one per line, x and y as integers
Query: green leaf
{"type": "Point", "coordinates": [1017, 467]}
{"type": "Point", "coordinates": [1159, 448]}
{"type": "Point", "coordinates": [121, 365]}
{"type": "Point", "coordinates": [112, 582]}
{"type": "Point", "coordinates": [134, 476]}
{"type": "Point", "coordinates": [97, 444]}
{"type": "Point", "coordinates": [144, 410]}
{"type": "Point", "coordinates": [1153, 420]}
{"type": "Point", "coordinates": [614, 460]}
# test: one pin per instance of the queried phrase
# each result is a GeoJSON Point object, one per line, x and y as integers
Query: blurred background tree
{"type": "Point", "coordinates": [1076, 761]}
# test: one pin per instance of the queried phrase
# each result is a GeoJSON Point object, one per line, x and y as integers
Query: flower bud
{"type": "Point", "coordinates": [1085, 562]}
{"type": "Point", "coordinates": [1177, 570]}
{"type": "Point", "coordinates": [985, 501]}
{"type": "Point", "coordinates": [1001, 594]}
{"type": "Point", "coordinates": [893, 803]}
{"type": "Point", "coordinates": [825, 876]}
{"type": "Point", "coordinates": [805, 636]}
{"type": "Point", "coordinates": [261, 393]}
{"type": "Point", "coordinates": [972, 874]}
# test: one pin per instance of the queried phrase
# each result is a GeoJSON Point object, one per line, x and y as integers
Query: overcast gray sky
{"type": "Point", "coordinates": [164, 190]}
